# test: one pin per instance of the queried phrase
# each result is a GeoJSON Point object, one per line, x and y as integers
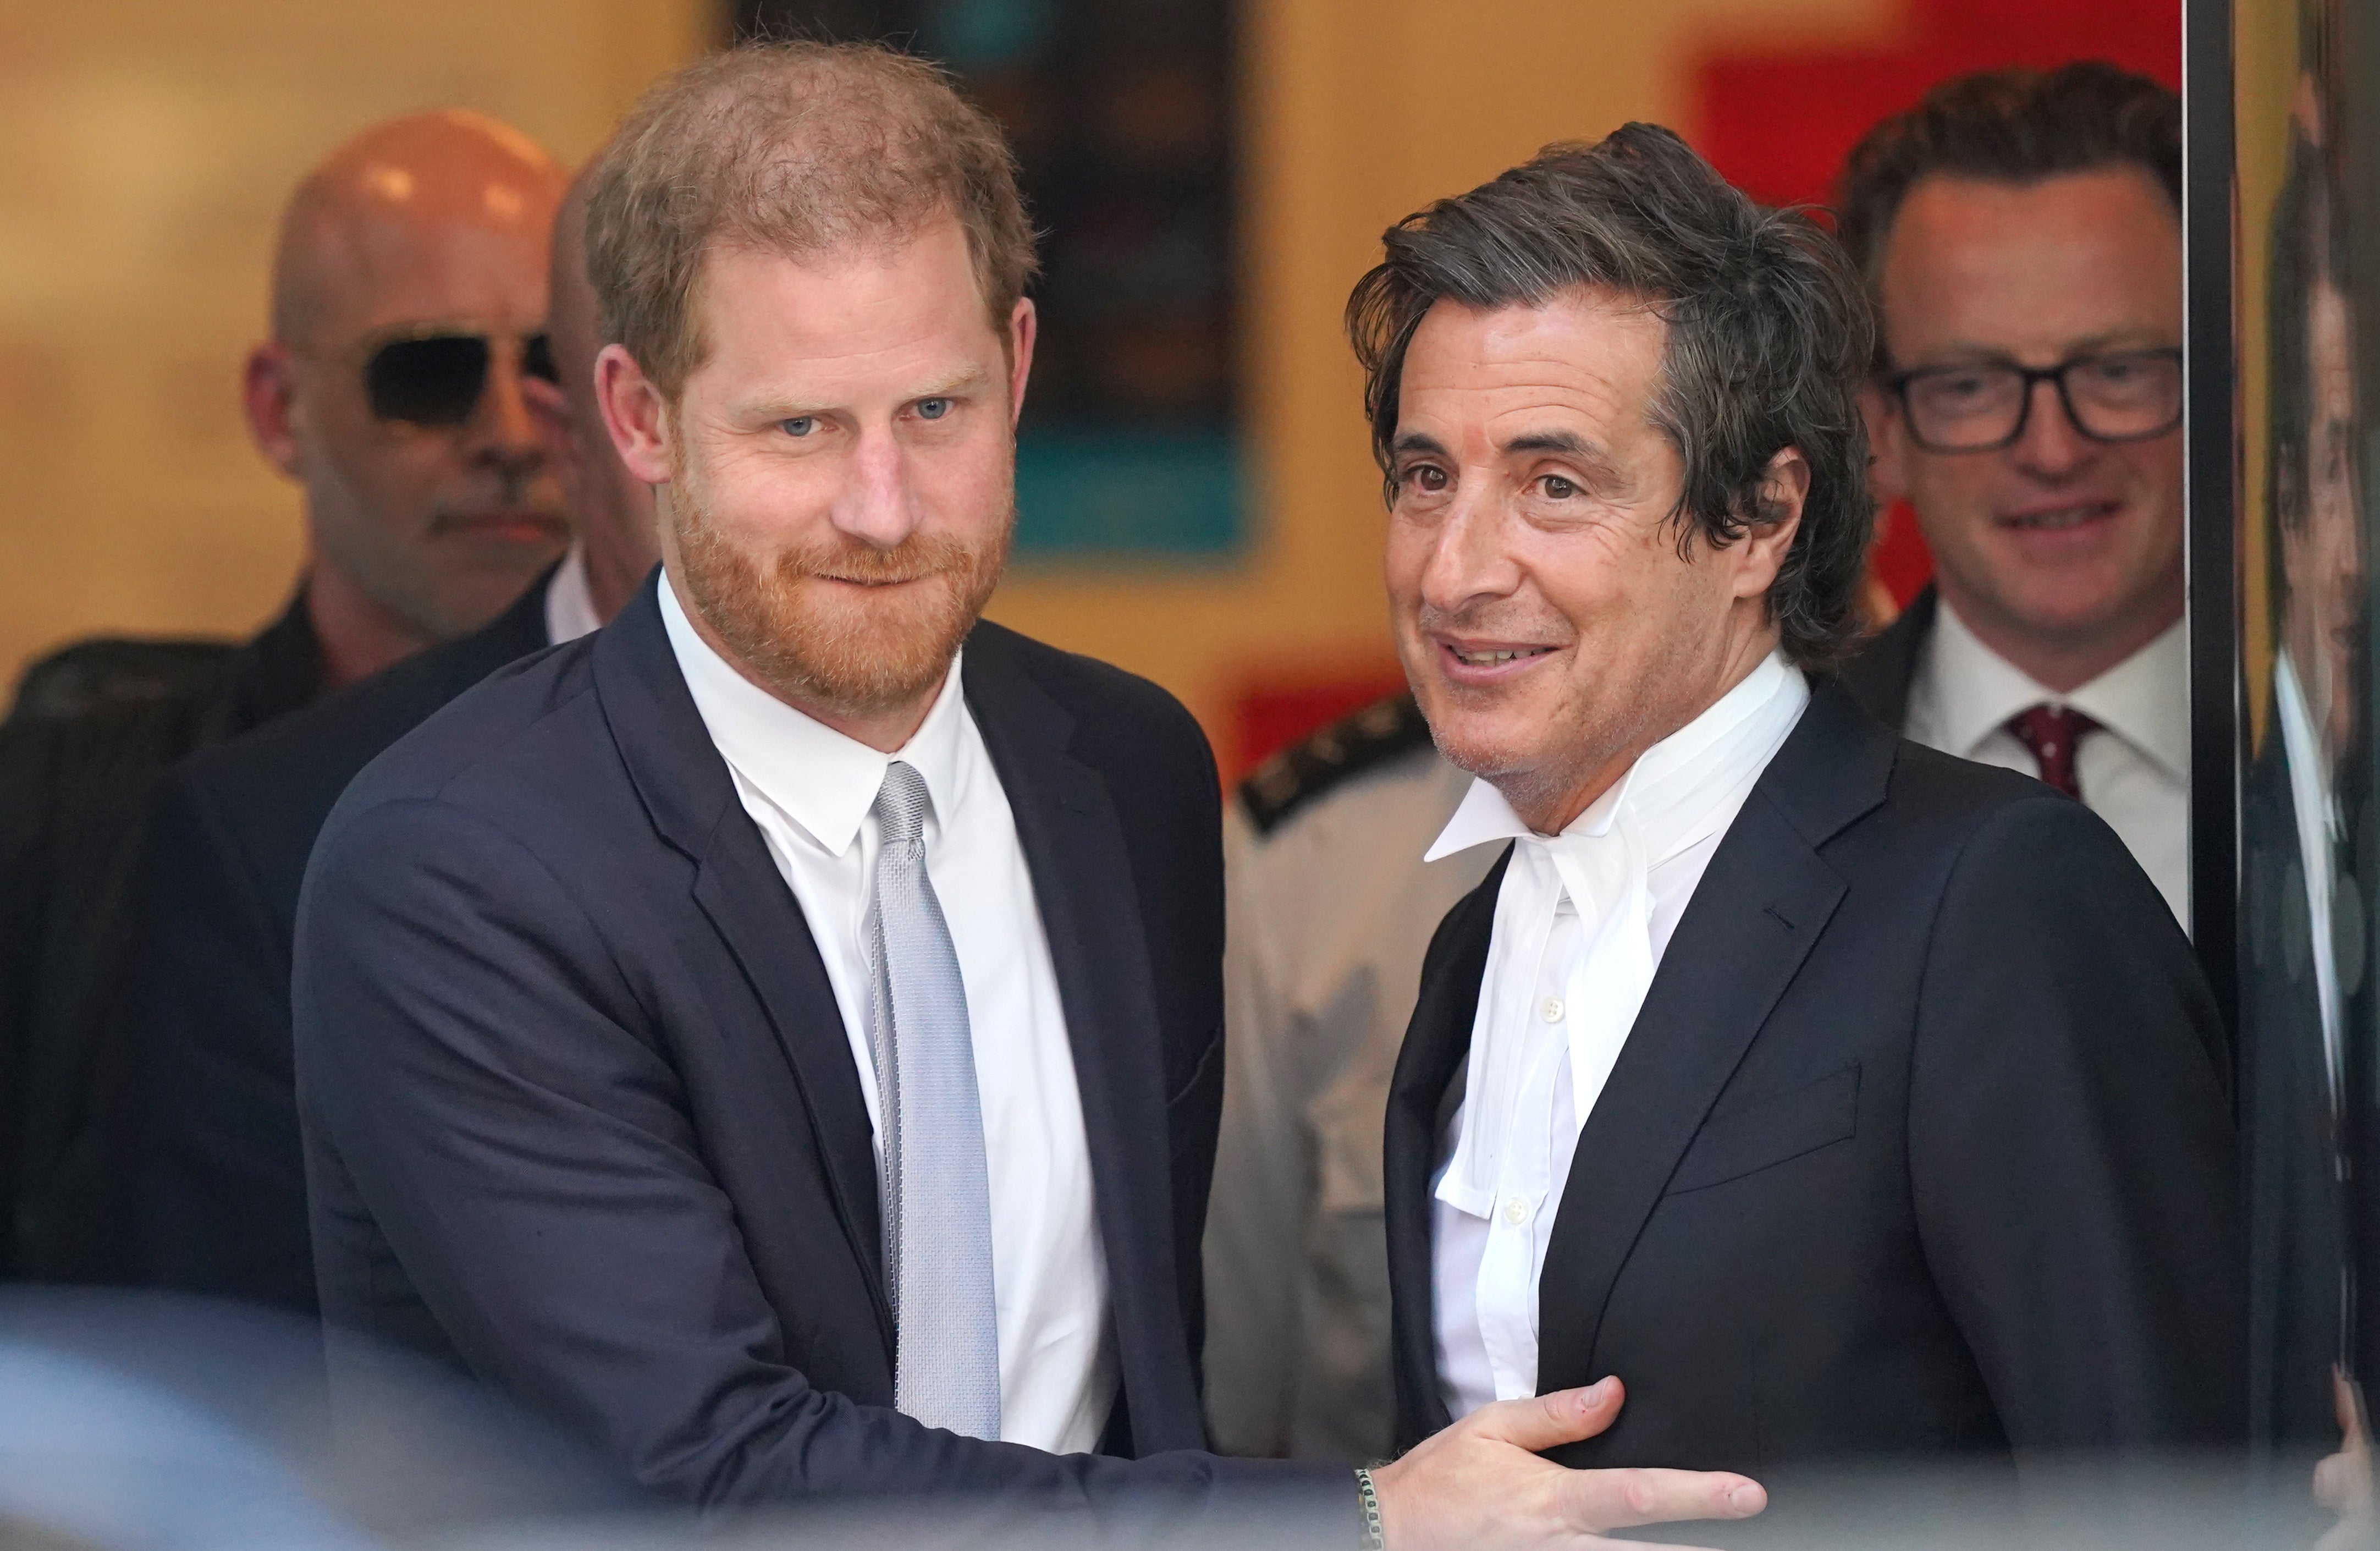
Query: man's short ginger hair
{"type": "Point", "coordinates": [794, 148]}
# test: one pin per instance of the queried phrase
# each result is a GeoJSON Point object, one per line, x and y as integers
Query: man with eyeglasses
{"type": "Point", "coordinates": [2021, 232]}
{"type": "Point", "coordinates": [408, 309]}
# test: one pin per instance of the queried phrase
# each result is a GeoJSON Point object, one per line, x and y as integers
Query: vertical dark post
{"type": "Point", "coordinates": [2217, 753]}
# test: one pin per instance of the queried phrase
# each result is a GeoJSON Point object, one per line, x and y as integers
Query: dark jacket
{"type": "Point", "coordinates": [94, 728]}
{"type": "Point", "coordinates": [1919, 1144]}
{"type": "Point", "coordinates": [581, 1111]}
{"type": "Point", "coordinates": [2296, 1202]}
{"type": "Point", "coordinates": [222, 1206]}
{"type": "Point", "coordinates": [1880, 676]}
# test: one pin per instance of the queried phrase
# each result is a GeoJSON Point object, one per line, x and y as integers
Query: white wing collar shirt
{"type": "Point", "coordinates": [2134, 770]}
{"type": "Point", "coordinates": [1581, 921]}
{"type": "Point", "coordinates": [810, 789]}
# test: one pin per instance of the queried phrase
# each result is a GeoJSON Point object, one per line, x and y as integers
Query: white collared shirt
{"type": "Point", "coordinates": [2319, 829]}
{"type": "Point", "coordinates": [2134, 772]}
{"type": "Point", "coordinates": [569, 602]}
{"type": "Point", "coordinates": [811, 790]}
{"type": "Point", "coordinates": [1582, 921]}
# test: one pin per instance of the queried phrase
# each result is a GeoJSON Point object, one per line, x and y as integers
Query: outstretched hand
{"type": "Point", "coordinates": [1480, 1484]}
{"type": "Point", "coordinates": [2342, 1483]}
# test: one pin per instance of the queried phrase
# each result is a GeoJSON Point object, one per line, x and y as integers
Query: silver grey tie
{"type": "Point", "coordinates": [937, 1195]}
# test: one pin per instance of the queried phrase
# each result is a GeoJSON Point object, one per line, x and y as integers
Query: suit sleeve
{"type": "Point", "coordinates": [1255, 1227]}
{"type": "Point", "coordinates": [2071, 1152]}
{"type": "Point", "coordinates": [474, 1066]}
{"type": "Point", "coordinates": [221, 1180]}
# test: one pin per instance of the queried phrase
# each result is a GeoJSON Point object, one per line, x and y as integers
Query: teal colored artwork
{"type": "Point", "coordinates": [1101, 491]}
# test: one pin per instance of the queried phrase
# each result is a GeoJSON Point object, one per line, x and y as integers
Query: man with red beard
{"type": "Point", "coordinates": [778, 1035]}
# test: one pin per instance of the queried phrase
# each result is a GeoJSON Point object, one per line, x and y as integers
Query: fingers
{"type": "Point", "coordinates": [1545, 1422]}
{"type": "Point", "coordinates": [2333, 1479]}
{"type": "Point", "coordinates": [1599, 1500]}
{"type": "Point", "coordinates": [2342, 1400]}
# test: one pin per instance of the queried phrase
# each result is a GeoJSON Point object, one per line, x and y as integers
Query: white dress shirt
{"type": "Point", "coordinates": [569, 602]}
{"type": "Point", "coordinates": [1582, 921]}
{"type": "Point", "coordinates": [810, 789]}
{"type": "Point", "coordinates": [2319, 829]}
{"type": "Point", "coordinates": [2134, 772]}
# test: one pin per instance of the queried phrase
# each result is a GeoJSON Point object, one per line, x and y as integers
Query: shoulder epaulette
{"type": "Point", "coordinates": [1348, 746]}
{"type": "Point", "coordinates": [116, 673]}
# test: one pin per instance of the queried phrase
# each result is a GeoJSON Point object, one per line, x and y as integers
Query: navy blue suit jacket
{"type": "Point", "coordinates": [579, 1109]}
{"type": "Point", "coordinates": [221, 1179]}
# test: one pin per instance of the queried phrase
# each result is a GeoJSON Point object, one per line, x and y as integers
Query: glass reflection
{"type": "Point", "coordinates": [2297, 895]}
{"type": "Point", "coordinates": [2306, 1021]}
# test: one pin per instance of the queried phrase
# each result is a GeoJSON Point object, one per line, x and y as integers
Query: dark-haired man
{"type": "Point", "coordinates": [1839, 1097]}
{"type": "Point", "coordinates": [2302, 902]}
{"type": "Point", "coordinates": [2021, 233]}
{"type": "Point", "coordinates": [409, 306]}
{"type": "Point", "coordinates": [777, 1035]}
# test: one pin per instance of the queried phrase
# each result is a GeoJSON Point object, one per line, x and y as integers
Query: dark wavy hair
{"type": "Point", "coordinates": [1770, 336]}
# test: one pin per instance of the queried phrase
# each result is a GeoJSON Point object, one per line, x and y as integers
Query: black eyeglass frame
{"type": "Point", "coordinates": [535, 360]}
{"type": "Point", "coordinates": [1898, 383]}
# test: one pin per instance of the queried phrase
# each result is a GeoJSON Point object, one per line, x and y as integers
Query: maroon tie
{"type": "Point", "coordinates": [2051, 732]}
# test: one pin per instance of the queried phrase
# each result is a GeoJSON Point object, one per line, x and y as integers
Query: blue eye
{"type": "Point", "coordinates": [933, 408]}
{"type": "Point", "coordinates": [800, 425]}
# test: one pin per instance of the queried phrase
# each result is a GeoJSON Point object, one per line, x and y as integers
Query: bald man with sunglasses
{"type": "Point", "coordinates": [221, 1189]}
{"type": "Point", "coordinates": [396, 389]}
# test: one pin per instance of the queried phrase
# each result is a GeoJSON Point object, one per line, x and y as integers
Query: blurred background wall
{"type": "Point", "coordinates": [145, 148]}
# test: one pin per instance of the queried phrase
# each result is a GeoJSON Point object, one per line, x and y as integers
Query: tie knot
{"type": "Point", "coordinates": [2051, 733]}
{"type": "Point", "coordinates": [901, 804]}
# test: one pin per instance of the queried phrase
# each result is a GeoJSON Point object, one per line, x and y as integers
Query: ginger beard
{"type": "Point", "coordinates": [837, 623]}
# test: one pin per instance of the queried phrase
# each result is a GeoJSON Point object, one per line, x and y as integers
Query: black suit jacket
{"type": "Point", "coordinates": [1918, 1144]}
{"type": "Point", "coordinates": [579, 1108]}
{"type": "Point", "coordinates": [222, 1206]}
{"type": "Point", "coordinates": [2297, 1204]}
{"type": "Point", "coordinates": [93, 729]}
{"type": "Point", "coordinates": [1879, 676]}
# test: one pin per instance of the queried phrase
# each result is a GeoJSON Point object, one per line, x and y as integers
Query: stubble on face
{"type": "Point", "coordinates": [1584, 725]}
{"type": "Point", "coordinates": [835, 623]}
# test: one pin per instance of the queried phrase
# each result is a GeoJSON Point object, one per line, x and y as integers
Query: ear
{"type": "Point", "coordinates": [1784, 488]}
{"type": "Point", "coordinates": [1023, 323]}
{"type": "Point", "coordinates": [268, 392]}
{"type": "Point", "coordinates": [1888, 441]}
{"type": "Point", "coordinates": [635, 415]}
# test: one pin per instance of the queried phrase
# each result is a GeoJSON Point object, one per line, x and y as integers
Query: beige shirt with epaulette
{"type": "Point", "coordinates": [1330, 912]}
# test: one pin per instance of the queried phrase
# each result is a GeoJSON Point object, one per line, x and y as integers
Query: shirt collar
{"type": "Point", "coordinates": [2145, 700]}
{"type": "Point", "coordinates": [569, 601]}
{"type": "Point", "coordinates": [1673, 783]}
{"type": "Point", "coordinates": [822, 781]}
{"type": "Point", "coordinates": [2301, 747]}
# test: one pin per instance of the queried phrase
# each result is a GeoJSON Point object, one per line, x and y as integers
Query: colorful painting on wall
{"type": "Point", "coordinates": [1121, 114]}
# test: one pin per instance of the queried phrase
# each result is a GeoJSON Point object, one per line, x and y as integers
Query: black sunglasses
{"type": "Point", "coordinates": [436, 379]}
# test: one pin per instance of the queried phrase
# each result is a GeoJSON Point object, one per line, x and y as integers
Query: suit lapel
{"type": "Point", "coordinates": [1761, 904]}
{"type": "Point", "coordinates": [739, 888]}
{"type": "Point", "coordinates": [1421, 1097]}
{"type": "Point", "coordinates": [1765, 897]}
{"type": "Point", "coordinates": [691, 799]}
{"type": "Point", "coordinates": [1074, 849]}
